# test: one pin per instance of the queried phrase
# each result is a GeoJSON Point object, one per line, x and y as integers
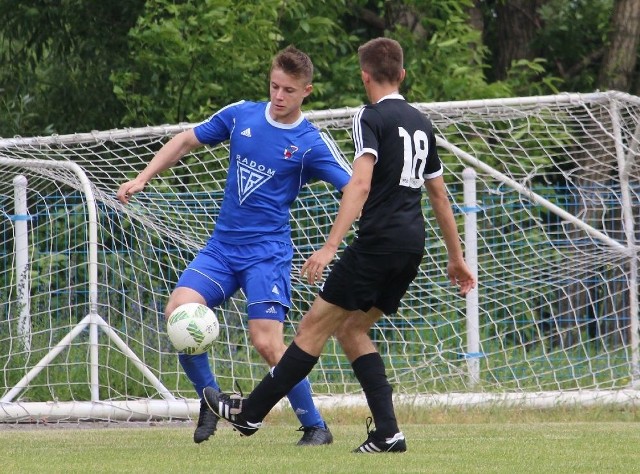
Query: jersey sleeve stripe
{"type": "Point", "coordinates": [220, 110]}
{"type": "Point", "coordinates": [435, 174]}
{"type": "Point", "coordinates": [336, 152]}
{"type": "Point", "coordinates": [357, 132]}
{"type": "Point", "coordinates": [364, 151]}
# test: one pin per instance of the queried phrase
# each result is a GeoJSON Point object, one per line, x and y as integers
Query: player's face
{"type": "Point", "coordinates": [287, 93]}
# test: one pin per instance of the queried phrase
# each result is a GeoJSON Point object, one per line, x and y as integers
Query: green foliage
{"type": "Point", "coordinates": [449, 62]}
{"type": "Point", "coordinates": [572, 36]}
{"type": "Point", "coordinates": [76, 65]}
{"type": "Point", "coordinates": [55, 60]}
{"type": "Point", "coordinates": [527, 78]}
{"type": "Point", "coordinates": [189, 59]}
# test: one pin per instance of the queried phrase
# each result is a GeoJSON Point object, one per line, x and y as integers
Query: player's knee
{"type": "Point", "coordinates": [181, 296]}
{"type": "Point", "coordinates": [343, 335]}
{"type": "Point", "coordinates": [169, 309]}
{"type": "Point", "coordinates": [270, 352]}
{"type": "Point", "coordinates": [348, 334]}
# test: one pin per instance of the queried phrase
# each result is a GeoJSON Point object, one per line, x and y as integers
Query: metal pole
{"type": "Point", "coordinates": [471, 256]}
{"type": "Point", "coordinates": [21, 245]}
{"type": "Point", "coordinates": [629, 229]}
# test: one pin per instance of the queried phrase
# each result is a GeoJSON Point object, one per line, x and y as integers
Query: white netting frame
{"type": "Point", "coordinates": [439, 365]}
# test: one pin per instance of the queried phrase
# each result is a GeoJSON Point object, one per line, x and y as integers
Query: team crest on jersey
{"type": "Point", "coordinates": [289, 151]}
{"type": "Point", "coordinates": [250, 177]}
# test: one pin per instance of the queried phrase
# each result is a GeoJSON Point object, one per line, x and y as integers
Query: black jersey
{"type": "Point", "coordinates": [402, 140]}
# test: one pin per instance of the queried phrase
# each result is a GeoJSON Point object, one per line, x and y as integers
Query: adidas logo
{"type": "Point", "coordinates": [301, 411]}
{"type": "Point", "coordinates": [246, 132]}
{"type": "Point", "coordinates": [271, 310]}
{"type": "Point", "coordinates": [274, 290]}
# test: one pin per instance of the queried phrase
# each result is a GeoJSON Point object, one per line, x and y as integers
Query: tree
{"type": "Point", "coordinates": [517, 22]}
{"type": "Point", "coordinates": [616, 71]}
{"type": "Point", "coordinates": [78, 65]}
{"type": "Point", "coordinates": [189, 59]}
{"type": "Point", "coordinates": [571, 39]}
{"type": "Point", "coordinates": [444, 53]}
{"type": "Point", "coordinates": [56, 58]}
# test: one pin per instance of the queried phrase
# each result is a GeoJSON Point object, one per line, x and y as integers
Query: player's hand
{"type": "Point", "coordinates": [314, 267]}
{"type": "Point", "coordinates": [128, 189]}
{"type": "Point", "coordinates": [461, 276]}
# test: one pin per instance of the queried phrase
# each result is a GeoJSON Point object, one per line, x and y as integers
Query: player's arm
{"type": "Point", "coordinates": [170, 153]}
{"type": "Point", "coordinates": [457, 269]}
{"type": "Point", "coordinates": [354, 195]}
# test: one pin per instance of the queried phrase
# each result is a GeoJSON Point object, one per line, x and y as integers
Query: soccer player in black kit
{"type": "Point", "coordinates": [395, 155]}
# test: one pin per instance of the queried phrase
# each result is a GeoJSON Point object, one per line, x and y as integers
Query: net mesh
{"type": "Point", "coordinates": [557, 304]}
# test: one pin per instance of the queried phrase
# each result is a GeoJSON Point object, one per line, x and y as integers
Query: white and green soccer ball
{"type": "Point", "coordinates": [192, 328]}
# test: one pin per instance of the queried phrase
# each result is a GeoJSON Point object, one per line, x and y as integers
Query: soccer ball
{"type": "Point", "coordinates": [192, 328]}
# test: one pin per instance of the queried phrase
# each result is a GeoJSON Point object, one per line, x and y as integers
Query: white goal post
{"type": "Point", "coordinates": [547, 196]}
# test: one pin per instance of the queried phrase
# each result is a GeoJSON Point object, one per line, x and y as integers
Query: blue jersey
{"type": "Point", "coordinates": [269, 163]}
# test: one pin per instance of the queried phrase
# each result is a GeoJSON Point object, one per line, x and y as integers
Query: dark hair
{"type": "Point", "coordinates": [294, 63]}
{"type": "Point", "coordinates": [383, 59]}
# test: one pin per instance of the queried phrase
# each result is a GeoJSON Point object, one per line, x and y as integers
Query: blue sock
{"type": "Point", "coordinates": [197, 369]}
{"type": "Point", "coordinates": [303, 406]}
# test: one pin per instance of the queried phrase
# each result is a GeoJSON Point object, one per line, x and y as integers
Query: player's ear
{"type": "Point", "coordinates": [308, 89]}
{"type": "Point", "coordinates": [365, 76]}
{"type": "Point", "coordinates": [403, 73]}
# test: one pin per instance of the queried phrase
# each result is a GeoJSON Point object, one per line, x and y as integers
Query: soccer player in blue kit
{"type": "Point", "coordinates": [395, 157]}
{"type": "Point", "coordinates": [274, 152]}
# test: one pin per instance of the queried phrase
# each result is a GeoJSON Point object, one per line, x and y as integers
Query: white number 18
{"type": "Point", "coordinates": [416, 150]}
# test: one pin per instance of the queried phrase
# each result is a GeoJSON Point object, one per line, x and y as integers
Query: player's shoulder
{"type": "Point", "coordinates": [393, 102]}
{"type": "Point", "coordinates": [225, 110]}
{"type": "Point", "coordinates": [250, 105]}
{"type": "Point", "coordinates": [367, 111]}
{"type": "Point", "coordinates": [399, 106]}
{"type": "Point", "coordinates": [314, 138]}
{"type": "Point", "coordinates": [242, 106]}
{"type": "Point", "coordinates": [309, 130]}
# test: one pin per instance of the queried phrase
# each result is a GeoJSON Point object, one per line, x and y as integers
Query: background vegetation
{"type": "Point", "coordinates": [78, 65]}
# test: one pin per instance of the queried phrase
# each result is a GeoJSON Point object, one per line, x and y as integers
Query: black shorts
{"type": "Point", "coordinates": [361, 280]}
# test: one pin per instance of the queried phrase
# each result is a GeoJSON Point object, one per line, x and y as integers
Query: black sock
{"type": "Point", "coordinates": [369, 369]}
{"type": "Point", "coordinates": [294, 366]}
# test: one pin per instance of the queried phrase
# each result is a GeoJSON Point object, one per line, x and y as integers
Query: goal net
{"type": "Point", "coordinates": [546, 192]}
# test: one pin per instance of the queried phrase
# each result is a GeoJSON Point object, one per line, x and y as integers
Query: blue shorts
{"type": "Point", "coordinates": [262, 270]}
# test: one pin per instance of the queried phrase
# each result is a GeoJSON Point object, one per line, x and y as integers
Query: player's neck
{"type": "Point", "coordinates": [285, 118]}
{"type": "Point", "coordinates": [378, 91]}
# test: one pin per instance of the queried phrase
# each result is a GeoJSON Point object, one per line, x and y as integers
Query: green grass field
{"type": "Point", "coordinates": [440, 441]}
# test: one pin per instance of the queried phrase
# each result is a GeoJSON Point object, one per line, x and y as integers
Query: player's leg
{"type": "Point", "coordinates": [369, 369]}
{"type": "Point", "coordinates": [267, 310]}
{"type": "Point", "coordinates": [267, 338]}
{"type": "Point", "coordinates": [196, 367]}
{"type": "Point", "coordinates": [383, 279]}
{"type": "Point", "coordinates": [207, 281]}
{"type": "Point", "coordinates": [317, 325]}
